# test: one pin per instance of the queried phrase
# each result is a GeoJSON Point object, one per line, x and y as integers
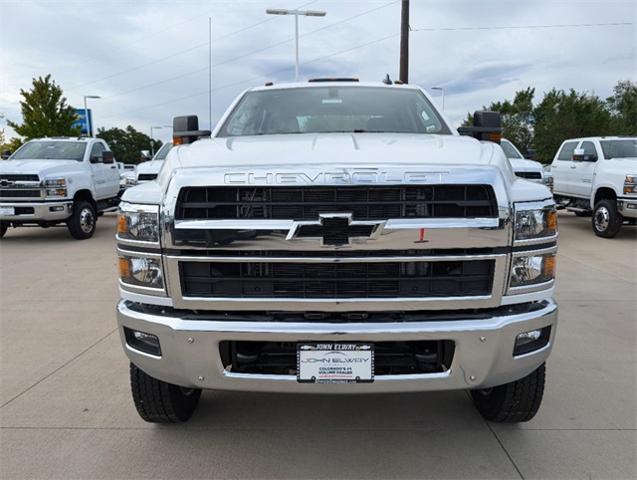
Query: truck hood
{"type": "Point", "coordinates": [524, 165]}
{"type": "Point", "coordinates": [40, 167]}
{"type": "Point", "coordinates": [334, 148]}
{"type": "Point", "coordinates": [152, 166]}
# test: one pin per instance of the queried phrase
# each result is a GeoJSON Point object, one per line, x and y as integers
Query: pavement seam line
{"type": "Point", "coordinates": [59, 368]}
{"type": "Point", "coordinates": [506, 452]}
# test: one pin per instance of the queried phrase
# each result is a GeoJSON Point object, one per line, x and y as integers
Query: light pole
{"type": "Point", "coordinates": [442, 90]}
{"type": "Point", "coordinates": [296, 13]}
{"type": "Point", "coordinates": [89, 130]}
{"type": "Point", "coordinates": [152, 141]}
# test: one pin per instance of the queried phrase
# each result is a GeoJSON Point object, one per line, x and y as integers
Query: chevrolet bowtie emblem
{"type": "Point", "coordinates": [336, 229]}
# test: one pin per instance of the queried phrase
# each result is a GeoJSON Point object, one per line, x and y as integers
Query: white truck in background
{"type": "Point", "coordinates": [525, 168]}
{"type": "Point", "coordinates": [148, 171]}
{"type": "Point", "coordinates": [51, 181]}
{"type": "Point", "coordinates": [597, 176]}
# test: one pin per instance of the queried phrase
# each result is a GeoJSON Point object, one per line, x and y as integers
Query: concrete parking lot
{"type": "Point", "coordinates": [66, 412]}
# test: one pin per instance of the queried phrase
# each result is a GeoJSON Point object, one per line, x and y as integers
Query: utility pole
{"type": "Point", "coordinates": [210, 72]}
{"type": "Point", "coordinates": [404, 42]}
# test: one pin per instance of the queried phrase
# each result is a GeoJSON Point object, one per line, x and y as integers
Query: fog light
{"type": "Point", "coordinates": [144, 342]}
{"type": "Point", "coordinates": [59, 208]}
{"type": "Point", "coordinates": [527, 342]}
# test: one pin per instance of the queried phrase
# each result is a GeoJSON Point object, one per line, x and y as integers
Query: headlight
{"type": "Point", "coordinates": [56, 192]}
{"type": "Point", "coordinates": [535, 224]}
{"type": "Point", "coordinates": [130, 181]}
{"type": "Point", "coordinates": [55, 182]}
{"type": "Point", "coordinates": [630, 184]}
{"type": "Point", "coordinates": [138, 222]}
{"type": "Point", "coordinates": [55, 187]}
{"type": "Point", "coordinates": [141, 271]}
{"type": "Point", "coordinates": [532, 269]}
{"type": "Point", "coordinates": [548, 181]}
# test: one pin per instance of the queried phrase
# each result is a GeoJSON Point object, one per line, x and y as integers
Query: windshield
{"type": "Point", "coordinates": [163, 151]}
{"type": "Point", "coordinates": [620, 148]}
{"type": "Point", "coordinates": [509, 149]}
{"type": "Point", "coordinates": [51, 151]}
{"type": "Point", "coordinates": [333, 109]}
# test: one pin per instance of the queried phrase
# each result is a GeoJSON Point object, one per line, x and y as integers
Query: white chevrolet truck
{"type": "Point", "coordinates": [597, 177]}
{"type": "Point", "coordinates": [337, 237]}
{"type": "Point", "coordinates": [148, 171]}
{"type": "Point", "coordinates": [51, 181]}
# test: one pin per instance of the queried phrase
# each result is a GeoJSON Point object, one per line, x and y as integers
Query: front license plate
{"type": "Point", "coordinates": [335, 362]}
{"type": "Point", "coordinates": [7, 211]}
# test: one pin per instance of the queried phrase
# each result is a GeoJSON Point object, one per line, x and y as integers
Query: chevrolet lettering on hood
{"type": "Point", "coordinates": [337, 237]}
{"type": "Point", "coordinates": [354, 176]}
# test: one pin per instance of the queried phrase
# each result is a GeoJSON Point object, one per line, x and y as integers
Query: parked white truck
{"type": "Point", "coordinates": [148, 171]}
{"type": "Point", "coordinates": [337, 237]}
{"type": "Point", "coordinates": [50, 181]}
{"type": "Point", "coordinates": [524, 167]}
{"type": "Point", "coordinates": [597, 176]}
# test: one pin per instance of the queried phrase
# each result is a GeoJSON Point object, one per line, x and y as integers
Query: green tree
{"type": "Point", "coordinates": [127, 143]}
{"type": "Point", "coordinates": [517, 118]}
{"type": "Point", "coordinates": [623, 106]}
{"type": "Point", "coordinates": [562, 115]}
{"type": "Point", "coordinates": [45, 112]}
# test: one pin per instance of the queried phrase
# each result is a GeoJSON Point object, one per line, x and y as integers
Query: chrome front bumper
{"type": "Point", "coordinates": [42, 211]}
{"type": "Point", "coordinates": [627, 207]}
{"type": "Point", "coordinates": [483, 349]}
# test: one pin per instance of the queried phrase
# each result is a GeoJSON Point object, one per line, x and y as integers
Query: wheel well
{"type": "Point", "coordinates": [604, 193]}
{"type": "Point", "coordinates": [84, 195]}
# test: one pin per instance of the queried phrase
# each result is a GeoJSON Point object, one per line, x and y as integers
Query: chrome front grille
{"type": "Point", "coordinates": [408, 246]}
{"type": "Point", "coordinates": [363, 202]}
{"type": "Point", "coordinates": [19, 186]}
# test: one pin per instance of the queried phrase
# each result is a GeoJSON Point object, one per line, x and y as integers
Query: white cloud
{"type": "Point", "coordinates": [115, 49]}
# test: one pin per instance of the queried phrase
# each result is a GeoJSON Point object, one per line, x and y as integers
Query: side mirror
{"type": "Point", "coordinates": [107, 157]}
{"type": "Point", "coordinates": [5, 154]}
{"type": "Point", "coordinates": [580, 156]}
{"type": "Point", "coordinates": [186, 130]}
{"type": "Point", "coordinates": [96, 159]}
{"type": "Point", "coordinates": [486, 126]}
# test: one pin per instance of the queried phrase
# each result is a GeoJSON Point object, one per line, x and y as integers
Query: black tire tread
{"type": "Point", "coordinates": [3, 229]}
{"type": "Point", "coordinates": [160, 402]}
{"type": "Point", "coordinates": [73, 222]}
{"type": "Point", "coordinates": [616, 219]}
{"type": "Point", "coordinates": [513, 402]}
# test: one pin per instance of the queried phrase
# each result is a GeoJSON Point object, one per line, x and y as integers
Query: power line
{"type": "Point", "coordinates": [512, 27]}
{"type": "Point", "coordinates": [256, 78]}
{"type": "Point", "coordinates": [167, 57]}
{"type": "Point", "coordinates": [236, 58]}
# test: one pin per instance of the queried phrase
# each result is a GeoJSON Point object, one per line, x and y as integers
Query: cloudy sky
{"type": "Point", "coordinates": [148, 60]}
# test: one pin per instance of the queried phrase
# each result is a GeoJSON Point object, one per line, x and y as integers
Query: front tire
{"type": "Point", "coordinates": [83, 220]}
{"type": "Point", "coordinates": [4, 226]}
{"type": "Point", "coordinates": [161, 402]}
{"type": "Point", "coordinates": [606, 219]}
{"type": "Point", "coordinates": [512, 402]}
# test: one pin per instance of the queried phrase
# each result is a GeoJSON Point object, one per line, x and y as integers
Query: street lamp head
{"type": "Point", "coordinates": [306, 13]}
{"type": "Point", "coordinates": [92, 96]}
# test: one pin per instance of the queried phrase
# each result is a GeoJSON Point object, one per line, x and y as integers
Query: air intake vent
{"type": "Point", "coordinates": [146, 176]}
{"type": "Point", "coordinates": [336, 280]}
{"type": "Point", "coordinates": [20, 177]}
{"type": "Point", "coordinates": [364, 202]}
